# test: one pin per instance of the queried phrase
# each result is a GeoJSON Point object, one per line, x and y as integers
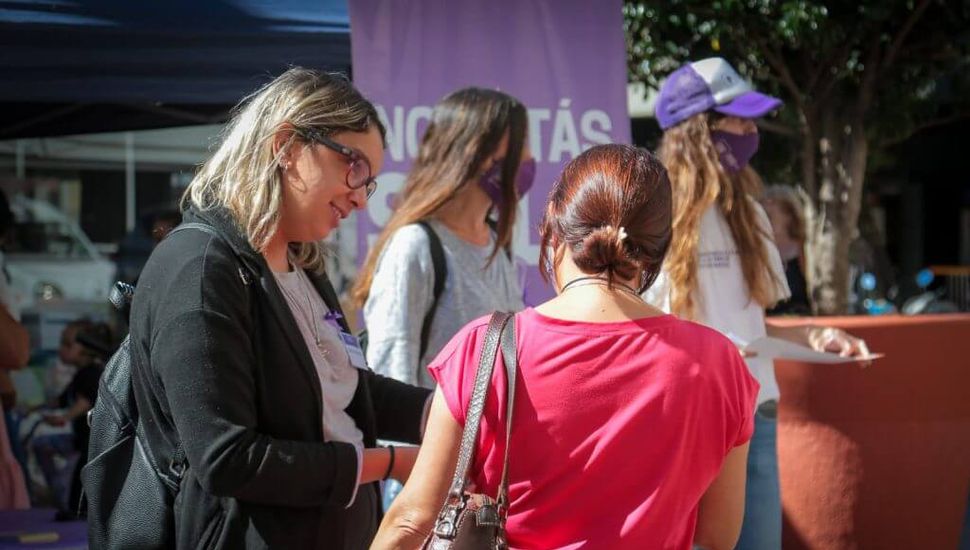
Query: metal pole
{"type": "Point", "coordinates": [21, 162]}
{"type": "Point", "coordinates": [129, 181]}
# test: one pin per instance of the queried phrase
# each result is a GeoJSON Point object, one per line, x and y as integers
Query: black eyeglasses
{"type": "Point", "coordinates": [358, 168]}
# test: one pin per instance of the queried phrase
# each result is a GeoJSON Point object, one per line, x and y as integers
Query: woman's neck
{"type": "Point", "coordinates": [276, 253]}
{"type": "Point", "coordinates": [464, 215]}
{"type": "Point", "coordinates": [589, 298]}
{"type": "Point", "coordinates": [595, 302]}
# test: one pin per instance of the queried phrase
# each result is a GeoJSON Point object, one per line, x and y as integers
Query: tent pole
{"type": "Point", "coordinates": [129, 181]}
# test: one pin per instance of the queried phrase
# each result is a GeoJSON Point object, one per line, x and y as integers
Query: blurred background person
{"type": "Point", "coordinates": [76, 400]}
{"type": "Point", "coordinates": [85, 347]}
{"type": "Point", "coordinates": [786, 215]}
{"type": "Point", "coordinates": [163, 223]}
{"type": "Point", "coordinates": [137, 244]}
{"type": "Point", "coordinates": [14, 354]}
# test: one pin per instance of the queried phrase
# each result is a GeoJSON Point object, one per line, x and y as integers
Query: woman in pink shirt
{"type": "Point", "coordinates": [631, 426]}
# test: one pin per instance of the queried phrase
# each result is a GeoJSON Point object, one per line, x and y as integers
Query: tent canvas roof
{"type": "Point", "coordinates": [70, 66]}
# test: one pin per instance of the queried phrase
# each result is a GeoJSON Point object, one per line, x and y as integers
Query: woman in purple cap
{"type": "Point", "coordinates": [723, 269]}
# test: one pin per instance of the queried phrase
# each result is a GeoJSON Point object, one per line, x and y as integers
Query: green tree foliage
{"type": "Point", "coordinates": [856, 77]}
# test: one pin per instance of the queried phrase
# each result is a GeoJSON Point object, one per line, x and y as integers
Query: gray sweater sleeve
{"type": "Point", "coordinates": [400, 295]}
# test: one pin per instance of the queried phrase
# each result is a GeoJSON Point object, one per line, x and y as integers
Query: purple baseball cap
{"type": "Point", "coordinates": [709, 84]}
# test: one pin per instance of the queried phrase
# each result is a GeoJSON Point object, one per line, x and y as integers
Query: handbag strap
{"type": "Point", "coordinates": [511, 366]}
{"type": "Point", "coordinates": [483, 376]}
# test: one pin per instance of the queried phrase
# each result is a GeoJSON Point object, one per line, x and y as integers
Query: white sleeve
{"type": "Point", "coordinates": [400, 296]}
{"type": "Point", "coordinates": [360, 470]}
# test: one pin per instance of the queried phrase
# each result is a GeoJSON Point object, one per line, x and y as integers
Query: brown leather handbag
{"type": "Point", "coordinates": [476, 521]}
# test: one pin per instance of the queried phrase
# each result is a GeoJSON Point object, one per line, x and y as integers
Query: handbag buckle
{"type": "Point", "coordinates": [446, 526]}
{"type": "Point", "coordinates": [488, 516]}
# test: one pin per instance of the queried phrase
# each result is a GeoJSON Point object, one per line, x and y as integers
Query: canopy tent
{"type": "Point", "coordinates": [75, 66]}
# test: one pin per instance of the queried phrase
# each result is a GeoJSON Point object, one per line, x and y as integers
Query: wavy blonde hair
{"type": "Point", "coordinates": [243, 175]}
{"type": "Point", "coordinates": [699, 181]}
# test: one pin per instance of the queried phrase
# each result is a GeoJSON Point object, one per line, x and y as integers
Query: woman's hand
{"type": "Point", "coordinates": [825, 339]}
{"type": "Point", "coordinates": [835, 340]}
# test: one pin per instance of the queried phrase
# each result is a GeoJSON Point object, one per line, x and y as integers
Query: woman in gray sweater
{"type": "Point", "coordinates": [474, 161]}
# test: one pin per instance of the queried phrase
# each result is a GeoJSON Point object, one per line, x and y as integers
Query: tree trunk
{"type": "Point", "coordinates": [830, 267]}
{"type": "Point", "coordinates": [842, 155]}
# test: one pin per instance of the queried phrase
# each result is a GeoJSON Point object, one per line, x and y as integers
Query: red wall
{"type": "Point", "coordinates": [878, 457]}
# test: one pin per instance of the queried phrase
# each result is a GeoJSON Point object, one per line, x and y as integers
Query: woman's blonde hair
{"type": "Point", "coordinates": [699, 181]}
{"type": "Point", "coordinates": [466, 129]}
{"type": "Point", "coordinates": [243, 175]}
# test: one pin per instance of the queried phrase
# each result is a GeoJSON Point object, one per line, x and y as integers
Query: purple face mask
{"type": "Point", "coordinates": [734, 150]}
{"type": "Point", "coordinates": [491, 180]}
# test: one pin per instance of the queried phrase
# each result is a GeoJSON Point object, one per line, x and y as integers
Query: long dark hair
{"type": "Point", "coordinates": [466, 128]}
{"type": "Point", "coordinates": [612, 208]}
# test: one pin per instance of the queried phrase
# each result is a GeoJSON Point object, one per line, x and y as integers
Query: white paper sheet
{"type": "Point", "coordinates": [776, 348]}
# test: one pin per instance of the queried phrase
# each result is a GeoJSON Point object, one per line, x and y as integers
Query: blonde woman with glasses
{"type": "Point", "coordinates": [241, 356]}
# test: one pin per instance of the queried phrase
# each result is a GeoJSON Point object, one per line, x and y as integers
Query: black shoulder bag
{"type": "Point", "coordinates": [130, 489]}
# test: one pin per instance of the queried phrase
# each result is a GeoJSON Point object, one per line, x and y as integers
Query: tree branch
{"type": "Point", "coordinates": [869, 77]}
{"type": "Point", "coordinates": [833, 64]}
{"type": "Point", "coordinates": [903, 33]}
{"type": "Point", "coordinates": [778, 128]}
{"type": "Point", "coordinates": [932, 123]}
{"type": "Point", "coordinates": [814, 70]}
{"type": "Point", "coordinates": [784, 75]}
{"type": "Point", "coordinates": [775, 61]}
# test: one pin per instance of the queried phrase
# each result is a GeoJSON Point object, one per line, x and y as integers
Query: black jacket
{"type": "Point", "coordinates": [220, 367]}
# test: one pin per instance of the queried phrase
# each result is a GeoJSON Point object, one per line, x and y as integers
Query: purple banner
{"type": "Point", "coordinates": [564, 59]}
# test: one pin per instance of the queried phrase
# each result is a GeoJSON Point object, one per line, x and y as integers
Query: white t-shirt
{"type": "Point", "coordinates": [338, 378]}
{"type": "Point", "coordinates": [722, 298]}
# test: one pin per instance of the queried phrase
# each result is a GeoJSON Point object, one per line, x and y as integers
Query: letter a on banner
{"type": "Point", "coordinates": [564, 59]}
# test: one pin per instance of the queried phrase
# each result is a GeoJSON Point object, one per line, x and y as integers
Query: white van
{"type": "Point", "coordinates": [50, 260]}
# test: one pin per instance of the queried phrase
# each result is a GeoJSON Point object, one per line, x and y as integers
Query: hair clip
{"type": "Point", "coordinates": [621, 234]}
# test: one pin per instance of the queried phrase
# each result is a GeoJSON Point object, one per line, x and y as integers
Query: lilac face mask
{"type": "Point", "coordinates": [734, 150]}
{"type": "Point", "coordinates": [491, 181]}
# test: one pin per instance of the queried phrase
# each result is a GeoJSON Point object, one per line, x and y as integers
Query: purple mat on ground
{"type": "Point", "coordinates": [72, 535]}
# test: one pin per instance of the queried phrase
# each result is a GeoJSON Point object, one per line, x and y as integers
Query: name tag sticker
{"type": "Point", "coordinates": [354, 352]}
